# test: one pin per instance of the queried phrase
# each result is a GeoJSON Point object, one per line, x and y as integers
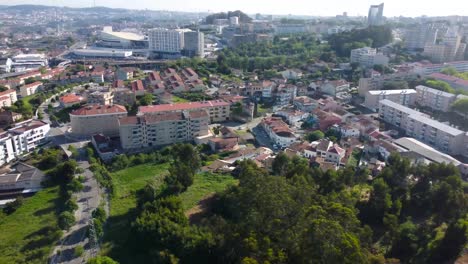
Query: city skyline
{"type": "Point", "coordinates": [294, 7]}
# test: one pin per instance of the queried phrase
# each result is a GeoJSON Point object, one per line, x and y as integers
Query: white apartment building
{"type": "Point", "coordinates": [375, 16]}
{"type": "Point", "coordinates": [7, 153]}
{"type": "Point", "coordinates": [8, 98]}
{"type": "Point", "coordinates": [166, 40]}
{"type": "Point", "coordinates": [368, 57]}
{"type": "Point", "coordinates": [139, 132]}
{"type": "Point", "coordinates": [451, 48]}
{"type": "Point", "coordinates": [404, 97]}
{"type": "Point", "coordinates": [278, 131]}
{"type": "Point", "coordinates": [418, 125]}
{"type": "Point", "coordinates": [434, 99]}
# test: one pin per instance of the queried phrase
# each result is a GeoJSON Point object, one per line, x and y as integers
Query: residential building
{"type": "Point", "coordinates": [324, 120]}
{"type": "Point", "coordinates": [417, 38]}
{"type": "Point", "coordinates": [292, 116]}
{"type": "Point", "coordinates": [434, 99]}
{"type": "Point", "coordinates": [100, 98]}
{"type": "Point", "coordinates": [278, 131]}
{"type": "Point", "coordinates": [404, 97]}
{"type": "Point", "coordinates": [7, 152]}
{"type": "Point", "coordinates": [138, 88]}
{"type": "Point", "coordinates": [5, 65]}
{"type": "Point", "coordinates": [21, 179]}
{"type": "Point", "coordinates": [282, 29]}
{"type": "Point", "coordinates": [375, 17]}
{"type": "Point", "coordinates": [450, 49]}
{"type": "Point", "coordinates": [305, 103]}
{"type": "Point", "coordinates": [30, 89]}
{"type": "Point", "coordinates": [165, 128]}
{"type": "Point", "coordinates": [292, 74]}
{"type": "Point", "coordinates": [218, 110]}
{"type": "Point", "coordinates": [166, 40]}
{"type": "Point", "coordinates": [69, 100]}
{"type": "Point", "coordinates": [334, 88]}
{"type": "Point", "coordinates": [8, 117]}
{"type": "Point", "coordinates": [124, 74]}
{"type": "Point", "coordinates": [328, 151]}
{"type": "Point", "coordinates": [7, 98]}
{"type": "Point", "coordinates": [194, 44]}
{"type": "Point", "coordinates": [368, 57]}
{"type": "Point", "coordinates": [123, 96]}
{"type": "Point", "coordinates": [97, 119]}
{"type": "Point", "coordinates": [418, 125]}
{"type": "Point", "coordinates": [28, 135]}
{"type": "Point", "coordinates": [103, 146]}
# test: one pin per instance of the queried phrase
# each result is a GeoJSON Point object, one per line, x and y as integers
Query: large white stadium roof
{"type": "Point", "coordinates": [122, 35]}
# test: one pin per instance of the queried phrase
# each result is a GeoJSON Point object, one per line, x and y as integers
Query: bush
{"type": "Point", "coordinates": [102, 260]}
{"type": "Point", "coordinates": [11, 207]}
{"type": "Point", "coordinates": [78, 251]}
{"type": "Point", "coordinates": [75, 185]}
{"type": "Point", "coordinates": [70, 205]}
{"type": "Point", "coordinates": [66, 220]}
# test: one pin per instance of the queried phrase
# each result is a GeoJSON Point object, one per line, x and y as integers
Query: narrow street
{"type": "Point", "coordinates": [88, 200]}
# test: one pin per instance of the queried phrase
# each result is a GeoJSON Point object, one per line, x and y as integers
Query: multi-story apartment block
{"type": "Point", "coordinates": [417, 38]}
{"type": "Point", "coordinates": [194, 43]}
{"type": "Point", "coordinates": [218, 110]}
{"type": "Point", "coordinates": [7, 153]}
{"type": "Point", "coordinates": [403, 97]}
{"type": "Point", "coordinates": [139, 132]}
{"type": "Point", "coordinates": [97, 119]}
{"type": "Point", "coordinates": [8, 98]}
{"type": "Point", "coordinates": [124, 74]}
{"type": "Point", "coordinates": [434, 99]}
{"type": "Point", "coordinates": [166, 40]}
{"type": "Point", "coordinates": [418, 125]}
{"type": "Point", "coordinates": [368, 57]}
{"type": "Point", "coordinates": [27, 135]}
{"type": "Point", "coordinates": [278, 131]}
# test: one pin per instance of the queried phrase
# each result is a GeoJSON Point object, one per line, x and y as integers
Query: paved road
{"type": "Point", "coordinates": [88, 200]}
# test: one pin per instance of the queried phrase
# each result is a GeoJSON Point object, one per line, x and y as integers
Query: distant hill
{"type": "Point", "coordinates": [243, 17]}
{"type": "Point", "coordinates": [30, 8]}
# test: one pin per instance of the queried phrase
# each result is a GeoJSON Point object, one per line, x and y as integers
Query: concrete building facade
{"type": "Point", "coordinates": [97, 119]}
{"type": "Point", "coordinates": [405, 97]}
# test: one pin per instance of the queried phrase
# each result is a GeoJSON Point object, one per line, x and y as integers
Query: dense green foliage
{"type": "Point", "coordinates": [292, 52]}
{"type": "Point", "coordinates": [461, 106]}
{"type": "Point", "coordinates": [343, 43]}
{"type": "Point", "coordinates": [303, 215]}
{"type": "Point", "coordinates": [243, 18]}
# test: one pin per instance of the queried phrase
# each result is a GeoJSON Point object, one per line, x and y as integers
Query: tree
{"type": "Point", "coordinates": [461, 106]}
{"type": "Point", "coordinates": [280, 164]}
{"type": "Point", "coordinates": [66, 220]}
{"type": "Point", "coordinates": [3, 88]}
{"type": "Point", "coordinates": [146, 99]}
{"type": "Point", "coordinates": [315, 135]}
{"type": "Point", "coordinates": [440, 85]}
{"type": "Point", "coordinates": [102, 260]}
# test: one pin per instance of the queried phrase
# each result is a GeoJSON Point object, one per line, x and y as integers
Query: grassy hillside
{"type": "Point", "coordinates": [28, 235]}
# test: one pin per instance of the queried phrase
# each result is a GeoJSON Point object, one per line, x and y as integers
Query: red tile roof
{"type": "Point", "coordinates": [33, 84]}
{"type": "Point", "coordinates": [137, 86]}
{"type": "Point", "coordinates": [99, 110]}
{"type": "Point", "coordinates": [181, 106]}
{"type": "Point", "coordinates": [71, 98]}
{"type": "Point", "coordinates": [9, 91]}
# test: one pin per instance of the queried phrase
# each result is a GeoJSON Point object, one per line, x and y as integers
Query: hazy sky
{"type": "Point", "coordinates": [297, 7]}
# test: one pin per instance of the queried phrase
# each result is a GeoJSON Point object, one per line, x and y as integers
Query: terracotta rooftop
{"type": "Point", "coordinates": [33, 84]}
{"type": "Point", "coordinates": [9, 91]}
{"type": "Point", "coordinates": [181, 106]}
{"type": "Point", "coordinates": [99, 110]}
{"type": "Point", "coordinates": [137, 86]}
{"type": "Point", "coordinates": [70, 98]}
